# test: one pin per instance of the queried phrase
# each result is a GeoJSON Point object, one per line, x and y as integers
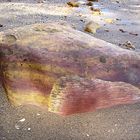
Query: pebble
{"type": "Point", "coordinates": [128, 45]}
{"type": "Point", "coordinates": [22, 120]}
{"type": "Point", "coordinates": [73, 4]}
{"type": "Point", "coordinates": [87, 135]}
{"type": "Point", "coordinates": [38, 114]}
{"type": "Point", "coordinates": [17, 126]}
{"type": "Point", "coordinates": [29, 129]}
{"type": "Point", "coordinates": [1, 25]}
{"type": "Point", "coordinates": [115, 124]}
{"type": "Point", "coordinates": [91, 27]}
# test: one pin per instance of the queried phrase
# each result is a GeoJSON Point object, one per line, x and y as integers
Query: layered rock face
{"type": "Point", "coordinates": [66, 71]}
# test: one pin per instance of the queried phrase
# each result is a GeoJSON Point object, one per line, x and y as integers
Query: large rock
{"type": "Point", "coordinates": [66, 71]}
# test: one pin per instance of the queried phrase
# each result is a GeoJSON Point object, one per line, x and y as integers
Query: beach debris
{"type": "Point", "coordinates": [133, 33]}
{"type": "Point", "coordinates": [115, 125]}
{"type": "Point", "coordinates": [87, 135]}
{"type": "Point", "coordinates": [38, 114]}
{"type": "Point", "coordinates": [1, 25]}
{"type": "Point", "coordinates": [91, 27]}
{"type": "Point", "coordinates": [106, 30]}
{"type": "Point", "coordinates": [22, 120]}
{"type": "Point", "coordinates": [96, 11]}
{"type": "Point", "coordinates": [73, 3]}
{"type": "Point", "coordinates": [17, 126]}
{"type": "Point", "coordinates": [118, 19]}
{"type": "Point", "coordinates": [123, 31]}
{"type": "Point", "coordinates": [128, 45]}
{"type": "Point", "coordinates": [29, 129]}
{"type": "Point", "coordinates": [89, 3]}
{"type": "Point", "coordinates": [9, 39]}
{"type": "Point", "coordinates": [82, 2]}
{"type": "Point", "coordinates": [109, 20]}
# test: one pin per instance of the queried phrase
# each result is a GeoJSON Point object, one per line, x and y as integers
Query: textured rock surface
{"type": "Point", "coordinates": [66, 71]}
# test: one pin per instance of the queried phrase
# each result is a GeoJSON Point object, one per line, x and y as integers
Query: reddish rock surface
{"type": "Point", "coordinates": [66, 71]}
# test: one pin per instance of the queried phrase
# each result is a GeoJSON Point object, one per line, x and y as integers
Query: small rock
{"type": "Point", "coordinates": [38, 114]}
{"type": "Point", "coordinates": [106, 30]}
{"type": "Point", "coordinates": [73, 4]}
{"type": "Point", "coordinates": [22, 120]}
{"type": "Point", "coordinates": [122, 30]}
{"type": "Point", "coordinates": [109, 20]}
{"type": "Point", "coordinates": [87, 135]}
{"type": "Point", "coordinates": [89, 3]}
{"type": "Point", "coordinates": [29, 129]}
{"type": "Point", "coordinates": [128, 45]}
{"type": "Point", "coordinates": [133, 34]}
{"type": "Point", "coordinates": [91, 27]}
{"type": "Point", "coordinates": [96, 11]}
{"type": "Point", "coordinates": [82, 2]}
{"type": "Point", "coordinates": [9, 39]}
{"type": "Point", "coordinates": [17, 126]}
{"type": "Point", "coordinates": [1, 25]}
{"type": "Point", "coordinates": [118, 19]}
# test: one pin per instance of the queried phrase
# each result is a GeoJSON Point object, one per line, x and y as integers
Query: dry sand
{"type": "Point", "coordinates": [29, 122]}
